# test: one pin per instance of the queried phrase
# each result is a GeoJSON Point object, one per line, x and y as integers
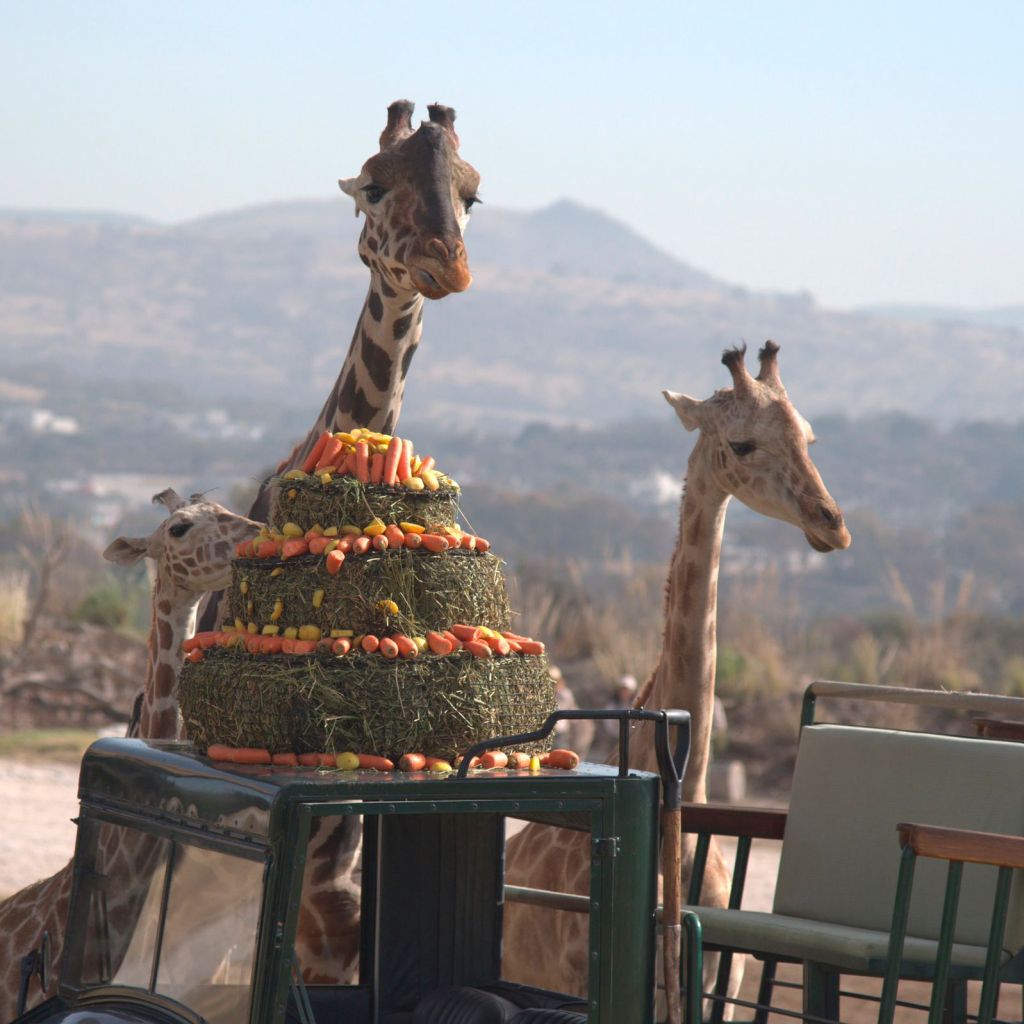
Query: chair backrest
{"type": "Point", "coordinates": [853, 785]}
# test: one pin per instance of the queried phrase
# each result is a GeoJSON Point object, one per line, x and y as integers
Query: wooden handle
{"type": "Point", "coordinates": [672, 870]}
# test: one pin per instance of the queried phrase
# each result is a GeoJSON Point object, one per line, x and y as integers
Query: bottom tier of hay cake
{"type": "Point", "coordinates": [363, 618]}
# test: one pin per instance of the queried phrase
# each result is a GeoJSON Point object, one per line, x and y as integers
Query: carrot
{"type": "Point", "coordinates": [499, 645]}
{"type": "Point", "coordinates": [494, 759]}
{"type": "Point", "coordinates": [531, 646]}
{"type": "Point", "coordinates": [404, 470]}
{"type": "Point", "coordinates": [240, 549]}
{"type": "Point", "coordinates": [268, 549]}
{"type": "Point", "coordinates": [303, 646]}
{"type": "Point", "coordinates": [315, 452]}
{"type": "Point", "coordinates": [515, 646]}
{"type": "Point", "coordinates": [335, 560]}
{"type": "Point", "coordinates": [468, 542]}
{"type": "Point", "coordinates": [362, 466]}
{"type": "Point", "coordinates": [294, 547]}
{"type": "Point", "coordinates": [309, 760]}
{"type": "Point", "coordinates": [477, 648]}
{"type": "Point", "coordinates": [388, 647]}
{"type": "Point", "coordinates": [194, 656]}
{"type": "Point", "coordinates": [377, 764]}
{"type": "Point", "coordinates": [509, 635]}
{"type": "Point", "coordinates": [328, 760]}
{"type": "Point", "coordinates": [342, 645]}
{"type": "Point", "coordinates": [406, 645]}
{"type": "Point", "coordinates": [361, 545]}
{"type": "Point", "coordinates": [519, 760]}
{"type": "Point", "coordinates": [464, 632]}
{"type": "Point", "coordinates": [190, 644]}
{"type": "Point", "coordinates": [474, 762]}
{"type": "Point", "coordinates": [285, 760]}
{"type": "Point", "coordinates": [380, 542]}
{"type": "Point", "coordinates": [370, 643]}
{"type": "Point", "coordinates": [431, 761]}
{"type": "Point", "coordinates": [482, 544]}
{"type": "Point", "coordinates": [391, 458]}
{"type": "Point", "coordinates": [219, 752]}
{"type": "Point", "coordinates": [345, 543]}
{"type": "Point", "coordinates": [452, 639]}
{"type": "Point", "coordinates": [317, 544]}
{"type": "Point", "coordinates": [434, 542]}
{"type": "Point", "coordinates": [413, 540]}
{"type": "Point", "coordinates": [412, 763]}
{"type": "Point", "coordinates": [344, 464]}
{"type": "Point", "coordinates": [272, 645]}
{"type": "Point", "coordinates": [560, 758]}
{"type": "Point", "coordinates": [439, 644]}
{"type": "Point", "coordinates": [427, 464]}
{"type": "Point", "coordinates": [396, 539]}
{"type": "Point", "coordinates": [330, 455]}
{"type": "Point", "coordinates": [376, 468]}
{"type": "Point", "coordinates": [250, 755]}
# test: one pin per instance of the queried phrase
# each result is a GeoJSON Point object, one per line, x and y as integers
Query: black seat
{"type": "Point", "coordinates": [465, 1006]}
{"type": "Point", "coordinates": [548, 1017]}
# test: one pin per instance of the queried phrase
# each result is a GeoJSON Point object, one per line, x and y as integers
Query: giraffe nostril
{"type": "Point", "coordinates": [453, 251]}
{"type": "Point", "coordinates": [831, 518]}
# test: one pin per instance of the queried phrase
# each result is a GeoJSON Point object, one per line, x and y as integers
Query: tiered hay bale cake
{"type": "Point", "coordinates": [363, 618]}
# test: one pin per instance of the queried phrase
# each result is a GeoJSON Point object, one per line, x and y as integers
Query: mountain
{"type": "Point", "coordinates": [997, 316]}
{"type": "Point", "coordinates": [573, 317]}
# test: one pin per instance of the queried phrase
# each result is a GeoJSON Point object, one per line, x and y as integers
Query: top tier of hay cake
{"type": "Point", "coordinates": [363, 618]}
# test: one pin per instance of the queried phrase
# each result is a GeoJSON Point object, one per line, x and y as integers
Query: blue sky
{"type": "Point", "coordinates": [865, 152]}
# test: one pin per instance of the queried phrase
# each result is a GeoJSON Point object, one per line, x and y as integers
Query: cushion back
{"type": "Point", "coordinates": [852, 786]}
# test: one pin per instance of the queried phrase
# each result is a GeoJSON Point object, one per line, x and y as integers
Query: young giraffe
{"type": "Point", "coordinates": [752, 445]}
{"type": "Point", "coordinates": [192, 550]}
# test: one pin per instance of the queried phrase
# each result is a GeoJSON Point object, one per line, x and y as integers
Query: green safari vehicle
{"type": "Point", "coordinates": [190, 915]}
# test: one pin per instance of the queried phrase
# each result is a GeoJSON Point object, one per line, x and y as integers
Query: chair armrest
{"type": "Point", "coordinates": [726, 820]}
{"type": "Point", "coordinates": [999, 729]}
{"type": "Point", "coordinates": [963, 845]}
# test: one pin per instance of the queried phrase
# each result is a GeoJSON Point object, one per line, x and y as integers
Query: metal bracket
{"type": "Point", "coordinates": [605, 846]}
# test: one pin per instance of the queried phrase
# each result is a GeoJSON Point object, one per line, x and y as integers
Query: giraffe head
{"type": "Point", "coordinates": [754, 446]}
{"type": "Point", "coordinates": [416, 194]}
{"type": "Point", "coordinates": [192, 547]}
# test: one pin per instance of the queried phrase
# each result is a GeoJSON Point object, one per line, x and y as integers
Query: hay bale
{"type": "Point", "coordinates": [433, 705]}
{"type": "Point", "coordinates": [345, 500]}
{"type": "Point", "coordinates": [431, 590]}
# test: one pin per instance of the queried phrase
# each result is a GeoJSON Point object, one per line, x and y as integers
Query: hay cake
{"type": "Point", "coordinates": [343, 617]}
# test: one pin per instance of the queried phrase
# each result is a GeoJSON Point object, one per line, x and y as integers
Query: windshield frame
{"type": "Point", "coordinates": [92, 818]}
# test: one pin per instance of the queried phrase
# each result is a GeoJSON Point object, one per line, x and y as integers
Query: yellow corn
{"type": "Point", "coordinates": [292, 530]}
{"type": "Point", "coordinates": [292, 633]}
{"type": "Point", "coordinates": [429, 477]}
{"type": "Point", "coordinates": [414, 483]}
{"type": "Point", "coordinates": [309, 632]}
{"type": "Point", "coordinates": [228, 627]}
{"type": "Point", "coordinates": [335, 633]}
{"type": "Point", "coordinates": [318, 598]}
{"type": "Point", "coordinates": [416, 463]}
{"type": "Point", "coordinates": [279, 571]}
{"type": "Point", "coordinates": [355, 531]}
{"type": "Point", "coordinates": [388, 607]}
{"type": "Point", "coordinates": [249, 607]}
{"type": "Point", "coordinates": [292, 494]}
{"type": "Point", "coordinates": [278, 610]}
{"type": "Point", "coordinates": [295, 474]}
{"type": "Point", "coordinates": [330, 547]}
{"type": "Point", "coordinates": [331, 531]}
{"type": "Point", "coordinates": [345, 438]}
{"type": "Point", "coordinates": [420, 642]}
{"type": "Point", "coordinates": [317, 529]}
{"type": "Point", "coordinates": [325, 478]}
{"type": "Point", "coordinates": [534, 763]}
{"type": "Point", "coordinates": [252, 628]}
{"type": "Point", "coordinates": [270, 630]}
{"type": "Point", "coordinates": [244, 586]}
{"type": "Point", "coordinates": [380, 449]}
{"type": "Point", "coordinates": [239, 625]}
{"type": "Point", "coordinates": [374, 528]}
{"type": "Point", "coordinates": [412, 528]}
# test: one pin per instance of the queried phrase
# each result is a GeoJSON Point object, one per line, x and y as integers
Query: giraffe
{"type": "Point", "coordinates": [416, 195]}
{"type": "Point", "coordinates": [192, 549]}
{"type": "Point", "coordinates": [753, 445]}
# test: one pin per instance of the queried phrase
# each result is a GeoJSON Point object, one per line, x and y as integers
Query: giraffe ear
{"type": "Point", "coordinates": [127, 550]}
{"type": "Point", "coordinates": [687, 408]}
{"type": "Point", "coordinates": [348, 186]}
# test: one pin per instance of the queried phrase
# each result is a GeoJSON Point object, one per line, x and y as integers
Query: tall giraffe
{"type": "Point", "coordinates": [753, 445]}
{"type": "Point", "coordinates": [416, 194]}
{"type": "Point", "coordinates": [192, 549]}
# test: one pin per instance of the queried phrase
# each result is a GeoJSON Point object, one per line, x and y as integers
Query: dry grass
{"type": "Point", "coordinates": [14, 603]}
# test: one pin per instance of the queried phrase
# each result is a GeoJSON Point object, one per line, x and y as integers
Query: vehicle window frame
{"type": "Point", "coordinates": [90, 823]}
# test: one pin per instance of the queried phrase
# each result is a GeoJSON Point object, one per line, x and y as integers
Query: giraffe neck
{"type": "Point", "coordinates": [685, 674]}
{"type": "Point", "coordinates": [370, 388]}
{"type": "Point", "coordinates": [173, 621]}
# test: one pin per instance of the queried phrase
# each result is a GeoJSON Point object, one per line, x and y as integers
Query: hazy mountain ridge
{"type": "Point", "coordinates": [572, 317]}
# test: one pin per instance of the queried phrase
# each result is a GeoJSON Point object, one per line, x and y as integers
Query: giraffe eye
{"type": "Point", "coordinates": [742, 448]}
{"type": "Point", "coordinates": [374, 193]}
{"type": "Point", "coordinates": [471, 201]}
{"type": "Point", "coordinates": [179, 529]}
